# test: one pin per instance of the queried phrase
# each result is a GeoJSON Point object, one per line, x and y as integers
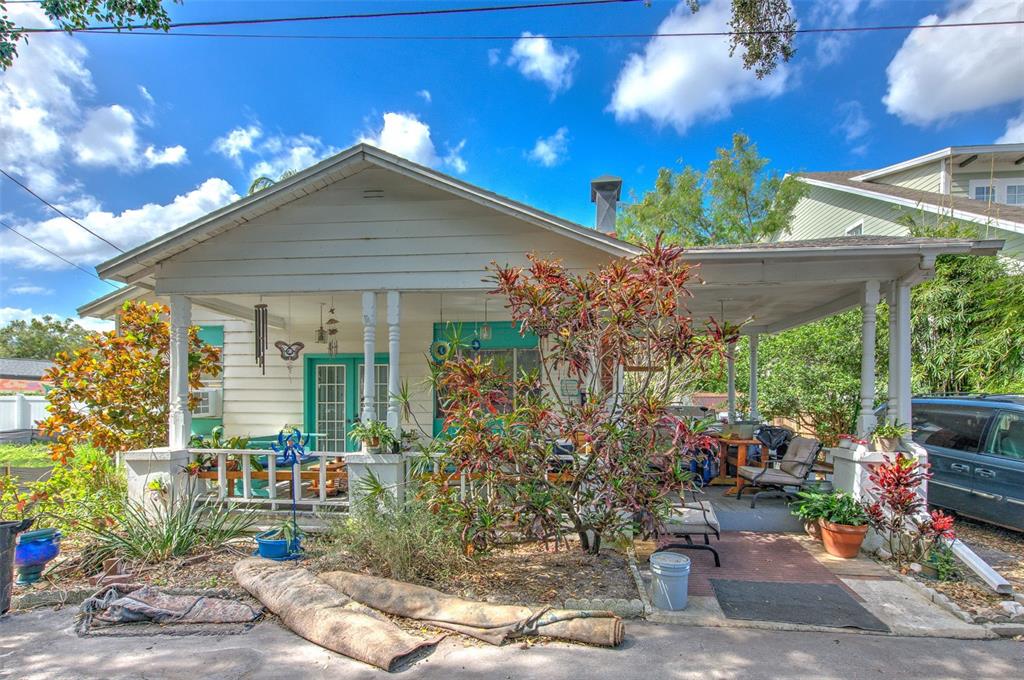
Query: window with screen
{"type": "Point", "coordinates": [950, 427]}
{"type": "Point", "coordinates": [1015, 194]}
{"type": "Point", "coordinates": [983, 193]}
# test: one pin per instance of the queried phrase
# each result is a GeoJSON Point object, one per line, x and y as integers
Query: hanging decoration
{"type": "Point", "coordinates": [332, 330]}
{"type": "Point", "coordinates": [289, 351]}
{"type": "Point", "coordinates": [484, 331]}
{"type": "Point", "coordinates": [260, 323]}
{"type": "Point", "coordinates": [321, 334]}
{"type": "Point", "coordinates": [440, 351]}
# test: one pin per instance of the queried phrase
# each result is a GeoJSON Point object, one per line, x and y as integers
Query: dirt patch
{"type": "Point", "coordinates": [1002, 549]}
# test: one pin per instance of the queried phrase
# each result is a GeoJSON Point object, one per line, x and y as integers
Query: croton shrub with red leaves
{"type": "Point", "coordinates": [900, 514]}
{"type": "Point", "coordinates": [630, 452]}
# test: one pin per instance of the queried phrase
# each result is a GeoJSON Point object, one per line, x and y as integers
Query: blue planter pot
{"type": "Point", "coordinates": [34, 550]}
{"type": "Point", "coordinates": [276, 548]}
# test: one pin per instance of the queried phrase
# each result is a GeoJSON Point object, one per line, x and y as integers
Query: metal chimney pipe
{"type": "Point", "coordinates": [605, 192]}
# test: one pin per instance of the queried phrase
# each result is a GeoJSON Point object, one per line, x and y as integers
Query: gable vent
{"type": "Point", "coordinates": [373, 193]}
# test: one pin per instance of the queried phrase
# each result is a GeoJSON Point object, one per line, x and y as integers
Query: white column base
{"type": "Point", "coordinates": [165, 467]}
{"type": "Point", "coordinates": [388, 468]}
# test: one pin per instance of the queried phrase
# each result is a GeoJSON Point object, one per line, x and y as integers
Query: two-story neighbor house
{"type": "Point", "coordinates": [978, 184]}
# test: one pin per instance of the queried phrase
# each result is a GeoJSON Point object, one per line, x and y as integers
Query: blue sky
{"type": "Point", "coordinates": [136, 135]}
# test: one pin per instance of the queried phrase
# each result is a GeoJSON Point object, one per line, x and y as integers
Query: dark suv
{"type": "Point", "coordinates": [976, 448]}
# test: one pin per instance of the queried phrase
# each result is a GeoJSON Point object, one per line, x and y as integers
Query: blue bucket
{"type": "Point", "coordinates": [670, 580]}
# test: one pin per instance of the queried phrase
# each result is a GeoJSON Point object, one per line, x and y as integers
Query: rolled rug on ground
{"type": "Point", "coordinates": [491, 623]}
{"type": "Point", "coordinates": [325, 616]}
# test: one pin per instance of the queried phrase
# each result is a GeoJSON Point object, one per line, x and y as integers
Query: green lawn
{"type": "Point", "coordinates": [25, 455]}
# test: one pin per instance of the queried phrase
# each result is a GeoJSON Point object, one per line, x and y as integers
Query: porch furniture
{"type": "Point", "coordinates": [337, 478]}
{"type": "Point", "coordinates": [793, 471]}
{"type": "Point", "coordinates": [696, 518]}
{"type": "Point", "coordinates": [740, 460]}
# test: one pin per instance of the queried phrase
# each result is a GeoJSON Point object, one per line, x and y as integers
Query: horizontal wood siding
{"type": "Point", "coordinates": [925, 177]}
{"type": "Point", "coordinates": [339, 239]}
{"type": "Point", "coordinates": [826, 213]}
{"type": "Point", "coordinates": [961, 183]}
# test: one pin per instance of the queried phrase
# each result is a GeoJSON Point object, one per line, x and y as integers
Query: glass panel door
{"type": "Point", "coordinates": [380, 375]}
{"type": "Point", "coordinates": [331, 407]}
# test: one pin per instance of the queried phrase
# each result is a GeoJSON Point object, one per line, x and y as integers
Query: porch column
{"type": "Point", "coordinates": [369, 349]}
{"type": "Point", "coordinates": [866, 420]}
{"type": "Point", "coordinates": [179, 422]}
{"type": "Point", "coordinates": [752, 389]}
{"type": "Point", "coordinates": [894, 373]}
{"type": "Point", "coordinates": [394, 378]}
{"type": "Point", "coordinates": [902, 352]}
{"type": "Point", "coordinates": [730, 361]}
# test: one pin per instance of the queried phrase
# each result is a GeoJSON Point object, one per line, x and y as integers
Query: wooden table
{"type": "Point", "coordinates": [741, 460]}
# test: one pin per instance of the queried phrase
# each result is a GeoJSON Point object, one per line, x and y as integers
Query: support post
{"type": "Point", "coordinates": [179, 417]}
{"type": "Point", "coordinates": [367, 413]}
{"type": "Point", "coordinates": [394, 349]}
{"type": "Point", "coordinates": [755, 414]}
{"type": "Point", "coordinates": [731, 364]}
{"type": "Point", "coordinates": [894, 373]}
{"type": "Point", "coordinates": [903, 394]}
{"type": "Point", "coordinates": [866, 420]}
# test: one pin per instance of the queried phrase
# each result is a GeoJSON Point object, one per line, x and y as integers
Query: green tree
{"type": "Point", "coordinates": [40, 338]}
{"type": "Point", "coordinates": [70, 15]}
{"type": "Point", "coordinates": [736, 200]}
{"type": "Point", "coordinates": [265, 182]}
{"type": "Point", "coordinates": [763, 29]}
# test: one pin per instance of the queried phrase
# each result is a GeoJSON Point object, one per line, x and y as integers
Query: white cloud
{"type": "Point", "coordinates": [9, 314]}
{"type": "Point", "coordinates": [405, 135]}
{"type": "Point", "coordinates": [537, 58]}
{"type": "Point", "coordinates": [29, 289]}
{"type": "Point", "coordinates": [1014, 131]}
{"type": "Point", "coordinates": [937, 74]}
{"type": "Point", "coordinates": [830, 47]}
{"type": "Point", "coordinates": [238, 140]}
{"type": "Point", "coordinates": [679, 82]}
{"type": "Point", "coordinates": [281, 153]}
{"type": "Point", "coordinates": [494, 56]}
{"type": "Point", "coordinates": [127, 229]}
{"type": "Point", "coordinates": [853, 123]}
{"type": "Point", "coordinates": [550, 151]}
{"type": "Point", "coordinates": [109, 138]}
{"type": "Point", "coordinates": [144, 93]}
{"type": "Point", "coordinates": [171, 155]}
{"type": "Point", "coordinates": [425, 95]}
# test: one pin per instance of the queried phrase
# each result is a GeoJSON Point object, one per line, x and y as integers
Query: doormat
{"type": "Point", "coordinates": [809, 604]}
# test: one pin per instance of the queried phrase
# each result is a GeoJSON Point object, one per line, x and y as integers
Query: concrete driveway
{"type": "Point", "coordinates": [41, 644]}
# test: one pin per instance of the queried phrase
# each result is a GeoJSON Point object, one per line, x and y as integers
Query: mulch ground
{"type": "Point", "coordinates": [1002, 549]}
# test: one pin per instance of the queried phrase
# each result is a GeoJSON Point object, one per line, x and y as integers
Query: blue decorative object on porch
{"type": "Point", "coordinates": [34, 550]}
{"type": "Point", "coordinates": [291, 448]}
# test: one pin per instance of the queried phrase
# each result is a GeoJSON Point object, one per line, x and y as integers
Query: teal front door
{"type": "Point", "coordinates": [334, 386]}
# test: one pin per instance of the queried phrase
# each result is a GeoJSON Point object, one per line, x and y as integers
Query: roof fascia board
{"type": "Point", "coordinates": [910, 203]}
{"type": "Point", "coordinates": [937, 155]}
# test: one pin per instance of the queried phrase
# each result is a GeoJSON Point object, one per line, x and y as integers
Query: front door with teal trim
{"type": "Point", "coordinates": [333, 389]}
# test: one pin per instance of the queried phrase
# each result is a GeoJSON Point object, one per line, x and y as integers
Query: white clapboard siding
{"type": "Point", "coordinates": [927, 177]}
{"type": "Point", "coordinates": [825, 213]}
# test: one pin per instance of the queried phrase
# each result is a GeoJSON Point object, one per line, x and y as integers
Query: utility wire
{"type": "Point", "coordinates": [564, 36]}
{"type": "Point", "coordinates": [61, 212]}
{"type": "Point", "coordinates": [59, 257]}
{"type": "Point", "coordinates": [340, 17]}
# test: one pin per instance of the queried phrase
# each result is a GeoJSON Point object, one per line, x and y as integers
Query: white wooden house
{"type": "Point", "coordinates": [399, 251]}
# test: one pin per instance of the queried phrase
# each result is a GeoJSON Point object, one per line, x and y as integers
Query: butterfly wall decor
{"type": "Point", "coordinates": [289, 351]}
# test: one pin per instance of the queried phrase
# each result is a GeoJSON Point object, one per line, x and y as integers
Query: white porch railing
{"type": "Point", "coordinates": [323, 488]}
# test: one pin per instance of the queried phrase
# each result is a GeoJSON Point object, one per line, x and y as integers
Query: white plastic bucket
{"type": "Point", "coordinates": [670, 580]}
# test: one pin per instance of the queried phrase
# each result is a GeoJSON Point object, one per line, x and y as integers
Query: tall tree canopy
{"type": "Point", "coordinates": [736, 200]}
{"type": "Point", "coordinates": [40, 338]}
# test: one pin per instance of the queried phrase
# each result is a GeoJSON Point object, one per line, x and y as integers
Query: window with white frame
{"type": "Point", "coordinates": [1006, 190]}
{"type": "Point", "coordinates": [855, 229]}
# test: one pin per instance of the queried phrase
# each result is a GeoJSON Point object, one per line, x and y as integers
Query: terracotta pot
{"type": "Point", "coordinates": [887, 444]}
{"type": "Point", "coordinates": [842, 540]}
{"type": "Point", "coordinates": [813, 529]}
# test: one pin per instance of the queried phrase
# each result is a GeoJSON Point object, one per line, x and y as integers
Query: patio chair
{"type": "Point", "coordinates": [696, 518]}
{"type": "Point", "coordinates": [792, 473]}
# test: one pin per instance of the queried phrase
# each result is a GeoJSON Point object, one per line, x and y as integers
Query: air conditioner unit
{"type": "Point", "coordinates": [209, 405]}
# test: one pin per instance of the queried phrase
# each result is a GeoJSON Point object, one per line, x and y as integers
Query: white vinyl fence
{"type": "Point", "coordinates": [21, 412]}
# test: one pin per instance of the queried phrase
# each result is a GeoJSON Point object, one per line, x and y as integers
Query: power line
{"type": "Point", "coordinates": [564, 36]}
{"type": "Point", "coordinates": [59, 257]}
{"type": "Point", "coordinates": [61, 212]}
{"type": "Point", "coordinates": [341, 17]}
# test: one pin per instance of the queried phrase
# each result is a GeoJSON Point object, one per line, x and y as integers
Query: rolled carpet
{"type": "Point", "coordinates": [491, 623]}
{"type": "Point", "coordinates": [325, 616]}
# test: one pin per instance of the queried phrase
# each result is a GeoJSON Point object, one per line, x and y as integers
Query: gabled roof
{"type": "Point", "coordinates": [1012, 152]}
{"type": "Point", "coordinates": [361, 156]}
{"type": "Point", "coordinates": [1009, 217]}
{"type": "Point", "coordinates": [24, 369]}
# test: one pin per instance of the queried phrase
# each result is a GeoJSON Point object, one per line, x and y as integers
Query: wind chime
{"type": "Point", "coordinates": [289, 350]}
{"type": "Point", "coordinates": [260, 322]}
{"type": "Point", "coordinates": [321, 334]}
{"type": "Point", "coordinates": [332, 330]}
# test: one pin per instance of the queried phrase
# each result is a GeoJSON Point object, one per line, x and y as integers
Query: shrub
{"type": "Point", "coordinates": [842, 508]}
{"type": "Point", "coordinates": [404, 541]}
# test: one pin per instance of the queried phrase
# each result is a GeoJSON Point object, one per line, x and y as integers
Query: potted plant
{"type": "Point", "coordinates": [375, 436]}
{"type": "Point", "coordinates": [889, 435]}
{"type": "Point", "coordinates": [844, 523]}
{"type": "Point", "coordinates": [281, 543]}
{"type": "Point", "coordinates": [809, 507]}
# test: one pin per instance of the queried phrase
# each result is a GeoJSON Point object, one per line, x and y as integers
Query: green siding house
{"type": "Point", "coordinates": [978, 184]}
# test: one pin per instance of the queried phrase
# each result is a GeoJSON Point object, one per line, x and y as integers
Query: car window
{"type": "Point", "coordinates": [951, 427]}
{"type": "Point", "coordinates": [1007, 438]}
